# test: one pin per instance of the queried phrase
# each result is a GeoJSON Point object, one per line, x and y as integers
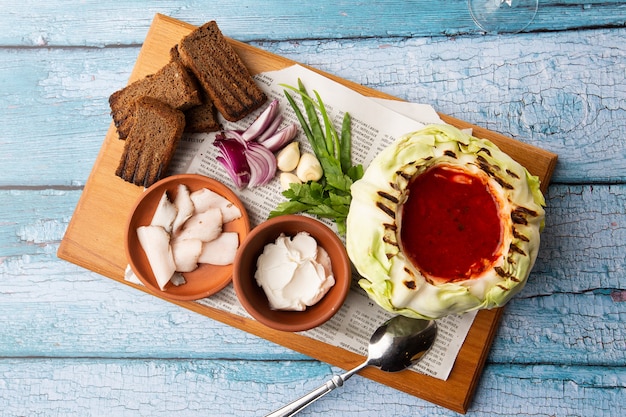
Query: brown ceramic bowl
{"type": "Point", "coordinates": [253, 298]}
{"type": "Point", "coordinates": [206, 279]}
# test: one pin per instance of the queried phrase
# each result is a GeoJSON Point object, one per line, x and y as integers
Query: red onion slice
{"type": "Point", "coordinates": [248, 156]}
{"type": "Point", "coordinates": [262, 164]}
{"type": "Point", "coordinates": [281, 138]}
{"type": "Point", "coordinates": [262, 122]}
{"type": "Point", "coordinates": [232, 156]}
{"type": "Point", "coordinates": [271, 129]}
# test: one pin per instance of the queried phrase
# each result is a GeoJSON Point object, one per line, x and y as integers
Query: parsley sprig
{"type": "Point", "coordinates": [330, 196]}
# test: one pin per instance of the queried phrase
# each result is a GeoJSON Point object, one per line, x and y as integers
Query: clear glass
{"type": "Point", "coordinates": [503, 16]}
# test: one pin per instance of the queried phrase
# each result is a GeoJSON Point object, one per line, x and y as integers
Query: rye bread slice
{"type": "Point", "coordinates": [221, 72]}
{"type": "Point", "coordinates": [172, 85]}
{"type": "Point", "coordinates": [201, 118]}
{"type": "Point", "coordinates": [151, 143]}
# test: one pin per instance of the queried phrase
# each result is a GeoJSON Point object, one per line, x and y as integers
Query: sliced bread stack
{"type": "Point", "coordinates": [204, 75]}
{"type": "Point", "coordinates": [222, 74]}
{"type": "Point", "coordinates": [151, 142]}
{"type": "Point", "coordinates": [201, 118]}
{"type": "Point", "coordinates": [172, 85]}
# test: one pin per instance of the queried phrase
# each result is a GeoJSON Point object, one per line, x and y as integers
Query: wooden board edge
{"type": "Point", "coordinates": [494, 320]}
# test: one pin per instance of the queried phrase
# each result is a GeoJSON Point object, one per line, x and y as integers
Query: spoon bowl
{"type": "Point", "coordinates": [400, 342]}
{"type": "Point", "coordinates": [397, 344]}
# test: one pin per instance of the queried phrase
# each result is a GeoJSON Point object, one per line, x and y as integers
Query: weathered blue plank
{"type": "Point", "coordinates": [55, 113]}
{"type": "Point", "coordinates": [236, 388]}
{"type": "Point", "coordinates": [583, 244]}
{"type": "Point", "coordinates": [33, 222]}
{"type": "Point", "coordinates": [562, 92]}
{"type": "Point", "coordinates": [102, 23]}
{"type": "Point", "coordinates": [565, 329]}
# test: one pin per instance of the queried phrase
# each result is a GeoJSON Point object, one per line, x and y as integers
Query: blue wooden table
{"type": "Point", "coordinates": [74, 343]}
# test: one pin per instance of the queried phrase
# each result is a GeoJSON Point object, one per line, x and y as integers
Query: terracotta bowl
{"type": "Point", "coordinates": [253, 298]}
{"type": "Point", "coordinates": [206, 279]}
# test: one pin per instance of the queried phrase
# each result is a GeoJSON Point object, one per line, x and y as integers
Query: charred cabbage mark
{"type": "Point", "coordinates": [390, 241]}
{"type": "Point", "coordinates": [390, 238]}
{"type": "Point", "coordinates": [450, 153]}
{"type": "Point", "coordinates": [506, 275]}
{"type": "Point", "coordinates": [514, 248]}
{"type": "Point", "coordinates": [492, 170]}
{"type": "Point", "coordinates": [517, 218]}
{"type": "Point", "coordinates": [519, 236]}
{"type": "Point", "coordinates": [389, 212]}
{"type": "Point", "coordinates": [519, 215]}
{"type": "Point", "coordinates": [487, 166]}
{"type": "Point", "coordinates": [503, 183]}
{"type": "Point", "coordinates": [527, 211]}
{"type": "Point", "coordinates": [485, 150]}
{"type": "Point", "coordinates": [501, 272]}
{"type": "Point", "coordinates": [511, 259]}
{"type": "Point", "coordinates": [389, 197]}
{"type": "Point", "coordinates": [404, 175]}
{"type": "Point", "coordinates": [390, 226]}
{"type": "Point", "coordinates": [409, 283]}
{"type": "Point", "coordinates": [512, 174]}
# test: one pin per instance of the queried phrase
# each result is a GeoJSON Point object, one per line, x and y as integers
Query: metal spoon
{"type": "Point", "coordinates": [395, 345]}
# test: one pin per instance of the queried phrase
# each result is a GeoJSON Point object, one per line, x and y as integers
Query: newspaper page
{"type": "Point", "coordinates": [376, 123]}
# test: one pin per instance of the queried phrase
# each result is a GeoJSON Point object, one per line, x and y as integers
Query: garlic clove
{"type": "Point", "coordinates": [287, 178]}
{"type": "Point", "coordinates": [309, 168]}
{"type": "Point", "coordinates": [287, 159]}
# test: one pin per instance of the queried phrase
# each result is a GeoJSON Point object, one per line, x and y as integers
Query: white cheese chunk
{"type": "Point", "coordinates": [205, 226]}
{"type": "Point", "coordinates": [205, 199]}
{"type": "Point", "coordinates": [184, 206]}
{"type": "Point", "coordinates": [165, 214]}
{"type": "Point", "coordinates": [294, 272]}
{"type": "Point", "coordinates": [221, 250]}
{"type": "Point", "coordinates": [155, 242]}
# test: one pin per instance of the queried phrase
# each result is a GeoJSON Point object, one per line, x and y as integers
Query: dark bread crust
{"type": "Point", "coordinates": [172, 85]}
{"type": "Point", "coordinates": [221, 72]}
{"type": "Point", "coordinates": [201, 118]}
{"type": "Point", "coordinates": [151, 143]}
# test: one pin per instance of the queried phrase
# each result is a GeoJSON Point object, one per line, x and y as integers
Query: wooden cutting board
{"type": "Point", "coordinates": [94, 237]}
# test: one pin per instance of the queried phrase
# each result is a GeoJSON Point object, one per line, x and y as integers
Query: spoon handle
{"type": "Point", "coordinates": [298, 405]}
